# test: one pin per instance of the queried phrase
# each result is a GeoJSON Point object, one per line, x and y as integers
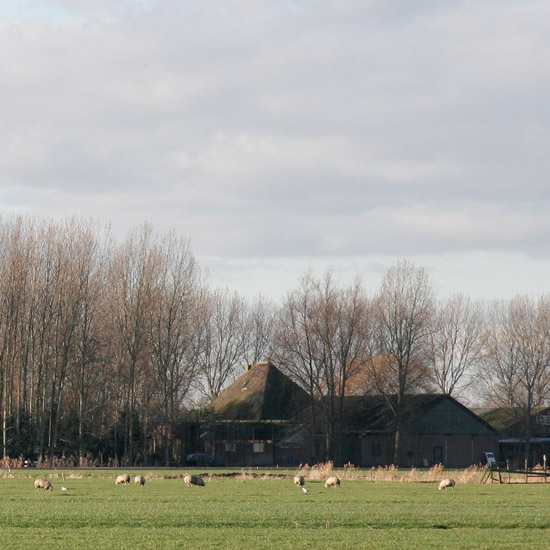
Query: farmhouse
{"type": "Point", "coordinates": [252, 414]}
{"type": "Point", "coordinates": [262, 420]}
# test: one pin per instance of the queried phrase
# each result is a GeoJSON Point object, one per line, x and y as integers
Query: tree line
{"type": "Point", "coordinates": [105, 343]}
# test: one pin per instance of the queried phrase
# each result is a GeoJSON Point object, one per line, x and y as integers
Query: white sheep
{"type": "Point", "coordinates": [193, 480]}
{"type": "Point", "coordinates": [332, 481]}
{"type": "Point", "coordinates": [139, 480]}
{"type": "Point", "coordinates": [299, 480]}
{"type": "Point", "coordinates": [123, 479]}
{"type": "Point", "coordinates": [41, 483]}
{"type": "Point", "coordinates": [447, 482]}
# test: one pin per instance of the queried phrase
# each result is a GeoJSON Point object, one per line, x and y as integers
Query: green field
{"type": "Point", "coordinates": [246, 512]}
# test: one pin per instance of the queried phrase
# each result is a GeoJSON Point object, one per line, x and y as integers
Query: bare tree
{"type": "Point", "coordinates": [16, 249]}
{"type": "Point", "coordinates": [404, 311]}
{"type": "Point", "coordinates": [296, 346]}
{"type": "Point", "coordinates": [133, 279]}
{"type": "Point", "coordinates": [456, 344]}
{"type": "Point", "coordinates": [175, 317]}
{"type": "Point", "coordinates": [221, 342]}
{"type": "Point", "coordinates": [321, 343]}
{"type": "Point", "coordinates": [518, 357]}
{"type": "Point", "coordinates": [75, 244]}
{"type": "Point", "coordinates": [258, 330]}
{"type": "Point", "coordinates": [91, 354]}
{"type": "Point", "coordinates": [43, 320]}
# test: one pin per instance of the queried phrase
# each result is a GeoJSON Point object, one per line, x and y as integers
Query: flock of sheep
{"type": "Point", "coordinates": [334, 481]}
{"type": "Point", "coordinates": [124, 479]}
{"type": "Point", "coordinates": [189, 480]}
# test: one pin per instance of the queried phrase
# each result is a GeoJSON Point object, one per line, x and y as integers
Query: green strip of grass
{"type": "Point", "coordinates": [232, 513]}
{"type": "Point", "coordinates": [282, 539]}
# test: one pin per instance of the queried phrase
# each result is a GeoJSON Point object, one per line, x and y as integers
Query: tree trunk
{"type": "Point", "coordinates": [396, 446]}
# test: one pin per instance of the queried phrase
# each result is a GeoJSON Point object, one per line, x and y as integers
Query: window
{"type": "Point", "coordinates": [230, 447]}
{"type": "Point", "coordinates": [258, 447]}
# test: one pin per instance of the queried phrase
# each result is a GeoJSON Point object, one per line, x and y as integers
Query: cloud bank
{"type": "Point", "coordinates": [277, 135]}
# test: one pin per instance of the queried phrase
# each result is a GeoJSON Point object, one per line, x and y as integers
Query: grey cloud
{"type": "Point", "coordinates": [285, 129]}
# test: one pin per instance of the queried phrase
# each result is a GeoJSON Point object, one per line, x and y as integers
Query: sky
{"type": "Point", "coordinates": [281, 136]}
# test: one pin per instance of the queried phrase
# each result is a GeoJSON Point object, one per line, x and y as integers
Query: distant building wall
{"type": "Point", "coordinates": [451, 450]}
{"type": "Point", "coordinates": [422, 450]}
{"type": "Point", "coordinates": [244, 453]}
{"type": "Point", "coordinates": [376, 450]}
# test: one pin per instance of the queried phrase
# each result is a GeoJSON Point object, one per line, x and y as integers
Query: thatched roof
{"type": "Point", "coordinates": [263, 392]}
{"type": "Point", "coordinates": [510, 421]}
{"type": "Point", "coordinates": [501, 418]}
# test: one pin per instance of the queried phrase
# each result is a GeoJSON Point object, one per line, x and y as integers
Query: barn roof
{"type": "Point", "coordinates": [422, 413]}
{"type": "Point", "coordinates": [262, 393]}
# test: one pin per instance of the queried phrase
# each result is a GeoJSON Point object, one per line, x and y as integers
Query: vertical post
{"type": "Point", "coordinates": [274, 459]}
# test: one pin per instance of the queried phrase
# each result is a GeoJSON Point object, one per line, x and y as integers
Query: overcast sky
{"type": "Point", "coordinates": [284, 135]}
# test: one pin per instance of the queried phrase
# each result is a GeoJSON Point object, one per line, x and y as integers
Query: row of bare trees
{"type": "Point", "coordinates": [337, 341]}
{"type": "Point", "coordinates": [103, 343]}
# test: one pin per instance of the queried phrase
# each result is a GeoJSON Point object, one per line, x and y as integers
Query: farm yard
{"type": "Point", "coordinates": [255, 509]}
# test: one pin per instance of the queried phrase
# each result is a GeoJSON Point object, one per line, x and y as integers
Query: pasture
{"type": "Point", "coordinates": [266, 512]}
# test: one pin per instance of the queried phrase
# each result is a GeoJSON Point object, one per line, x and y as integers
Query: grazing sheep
{"type": "Point", "coordinates": [139, 480]}
{"type": "Point", "coordinates": [332, 481]}
{"type": "Point", "coordinates": [41, 483]}
{"type": "Point", "coordinates": [444, 483]}
{"type": "Point", "coordinates": [299, 480]}
{"type": "Point", "coordinates": [123, 479]}
{"type": "Point", "coordinates": [193, 480]}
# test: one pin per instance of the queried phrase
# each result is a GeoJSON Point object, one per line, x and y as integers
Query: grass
{"type": "Point", "coordinates": [246, 511]}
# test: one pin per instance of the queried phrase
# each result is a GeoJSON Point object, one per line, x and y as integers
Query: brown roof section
{"type": "Point", "coordinates": [261, 393]}
{"type": "Point", "coordinates": [511, 422]}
